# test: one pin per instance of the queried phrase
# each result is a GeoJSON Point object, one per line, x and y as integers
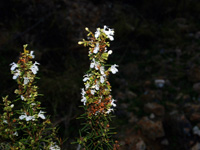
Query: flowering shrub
{"type": "Point", "coordinates": [26, 127]}
{"type": "Point", "coordinates": [97, 100]}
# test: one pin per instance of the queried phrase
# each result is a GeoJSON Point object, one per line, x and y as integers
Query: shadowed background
{"type": "Point", "coordinates": [157, 48]}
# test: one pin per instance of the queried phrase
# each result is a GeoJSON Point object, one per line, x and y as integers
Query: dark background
{"type": "Point", "coordinates": [153, 40]}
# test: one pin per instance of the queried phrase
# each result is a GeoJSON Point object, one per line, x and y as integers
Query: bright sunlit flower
{"type": "Point", "coordinates": [97, 33]}
{"type": "Point", "coordinates": [28, 118]}
{"type": "Point", "coordinates": [16, 74]}
{"type": "Point", "coordinates": [113, 69]}
{"type": "Point", "coordinates": [13, 66]}
{"type": "Point", "coordinates": [31, 54]}
{"type": "Point", "coordinates": [54, 147]}
{"type": "Point", "coordinates": [34, 68]}
{"type": "Point", "coordinates": [96, 49]}
{"type": "Point", "coordinates": [26, 80]}
{"type": "Point", "coordinates": [109, 52]}
{"type": "Point", "coordinates": [109, 32]}
{"type": "Point", "coordinates": [41, 114]}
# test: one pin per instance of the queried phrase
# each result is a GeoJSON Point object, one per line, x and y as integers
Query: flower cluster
{"type": "Point", "coordinates": [29, 123]}
{"type": "Point", "coordinates": [96, 97]}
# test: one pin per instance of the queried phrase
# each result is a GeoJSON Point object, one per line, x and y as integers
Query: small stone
{"type": "Point", "coordinates": [152, 116]}
{"type": "Point", "coordinates": [151, 129]}
{"type": "Point", "coordinates": [140, 145]}
{"type": "Point", "coordinates": [196, 147]}
{"type": "Point", "coordinates": [159, 83]}
{"type": "Point", "coordinates": [196, 87]}
{"type": "Point", "coordinates": [154, 108]}
{"type": "Point", "coordinates": [195, 117]}
{"type": "Point", "coordinates": [165, 142]}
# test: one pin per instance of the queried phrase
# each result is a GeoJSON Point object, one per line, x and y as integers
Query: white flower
{"type": "Point", "coordinates": [34, 68]}
{"type": "Point", "coordinates": [102, 79]}
{"type": "Point", "coordinates": [13, 66]}
{"type": "Point", "coordinates": [83, 100]}
{"type": "Point", "coordinates": [112, 103]}
{"type": "Point", "coordinates": [109, 110]}
{"type": "Point", "coordinates": [26, 80]}
{"type": "Point", "coordinates": [54, 147]}
{"type": "Point", "coordinates": [97, 86]}
{"type": "Point", "coordinates": [109, 32]}
{"type": "Point", "coordinates": [31, 54]}
{"type": "Point", "coordinates": [12, 105]}
{"type": "Point", "coordinates": [5, 121]}
{"type": "Point", "coordinates": [86, 77]}
{"type": "Point", "coordinates": [96, 49]}
{"type": "Point", "coordinates": [87, 85]}
{"type": "Point", "coordinates": [16, 74]}
{"type": "Point", "coordinates": [22, 97]}
{"type": "Point", "coordinates": [109, 52]}
{"type": "Point", "coordinates": [92, 92]}
{"type": "Point", "coordinates": [113, 69]}
{"type": "Point", "coordinates": [28, 118]}
{"type": "Point", "coordinates": [94, 64]}
{"type": "Point", "coordinates": [83, 96]}
{"type": "Point", "coordinates": [97, 33]}
{"type": "Point", "coordinates": [16, 134]}
{"type": "Point", "coordinates": [102, 70]}
{"type": "Point", "coordinates": [41, 114]}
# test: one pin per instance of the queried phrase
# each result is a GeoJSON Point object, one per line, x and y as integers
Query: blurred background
{"type": "Point", "coordinates": [157, 48]}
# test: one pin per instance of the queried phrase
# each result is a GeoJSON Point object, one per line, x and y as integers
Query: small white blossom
{"type": "Point", "coordinates": [102, 79]}
{"type": "Point", "coordinates": [92, 92]}
{"type": "Point", "coordinates": [109, 32]}
{"type": "Point", "coordinates": [28, 118]}
{"type": "Point", "coordinates": [102, 70]}
{"type": "Point", "coordinates": [109, 110]}
{"type": "Point", "coordinates": [83, 96]}
{"type": "Point", "coordinates": [31, 54]}
{"type": "Point", "coordinates": [34, 68]}
{"type": "Point", "coordinates": [97, 86]}
{"type": "Point", "coordinates": [112, 103]}
{"type": "Point", "coordinates": [86, 77]}
{"type": "Point", "coordinates": [26, 80]}
{"type": "Point", "coordinates": [41, 114]}
{"type": "Point", "coordinates": [13, 66]}
{"type": "Point", "coordinates": [87, 86]}
{"type": "Point", "coordinates": [94, 64]}
{"type": "Point", "coordinates": [109, 52]}
{"type": "Point", "coordinates": [16, 74]}
{"type": "Point", "coordinates": [54, 147]}
{"type": "Point", "coordinates": [12, 105]}
{"type": "Point", "coordinates": [5, 121]}
{"type": "Point", "coordinates": [97, 33]}
{"type": "Point", "coordinates": [96, 49]}
{"type": "Point", "coordinates": [113, 69]}
{"type": "Point", "coordinates": [16, 134]}
{"type": "Point", "coordinates": [22, 97]}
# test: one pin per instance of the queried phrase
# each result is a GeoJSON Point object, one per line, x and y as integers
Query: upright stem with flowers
{"type": "Point", "coordinates": [96, 97]}
{"type": "Point", "coordinates": [27, 128]}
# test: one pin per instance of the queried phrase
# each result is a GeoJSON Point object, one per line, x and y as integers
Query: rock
{"type": "Point", "coordinates": [152, 116]}
{"type": "Point", "coordinates": [165, 142]}
{"type": "Point", "coordinates": [151, 129]}
{"type": "Point", "coordinates": [154, 108]}
{"type": "Point", "coordinates": [196, 87]}
{"type": "Point", "coordinates": [140, 145]}
{"type": "Point", "coordinates": [196, 130]}
{"type": "Point", "coordinates": [130, 94]}
{"type": "Point", "coordinates": [159, 83]}
{"type": "Point", "coordinates": [196, 147]}
{"type": "Point", "coordinates": [195, 117]}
